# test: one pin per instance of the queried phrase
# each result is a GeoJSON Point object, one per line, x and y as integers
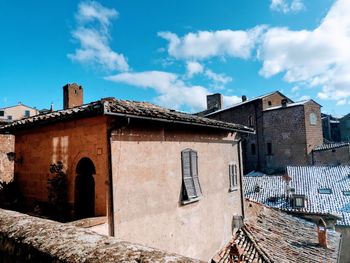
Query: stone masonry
{"type": "Point", "coordinates": [7, 145]}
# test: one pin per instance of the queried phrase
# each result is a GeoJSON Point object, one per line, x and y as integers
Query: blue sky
{"type": "Point", "coordinates": [173, 53]}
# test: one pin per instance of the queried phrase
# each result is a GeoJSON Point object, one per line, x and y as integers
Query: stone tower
{"type": "Point", "coordinates": [72, 95]}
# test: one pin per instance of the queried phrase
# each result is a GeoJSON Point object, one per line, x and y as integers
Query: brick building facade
{"type": "Point", "coordinates": [286, 132]}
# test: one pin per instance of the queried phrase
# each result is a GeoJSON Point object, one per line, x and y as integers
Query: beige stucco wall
{"type": "Point", "coordinates": [17, 112]}
{"type": "Point", "coordinates": [147, 179]}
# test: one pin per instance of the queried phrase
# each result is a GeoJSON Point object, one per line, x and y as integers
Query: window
{"type": "Point", "coordinates": [9, 117]}
{"type": "Point", "coordinates": [26, 113]}
{"type": "Point", "coordinates": [324, 191]}
{"type": "Point", "coordinates": [233, 174]}
{"type": "Point", "coordinates": [346, 192]}
{"type": "Point", "coordinates": [191, 187]}
{"type": "Point", "coordinates": [2, 113]}
{"type": "Point", "coordinates": [313, 119]}
{"type": "Point", "coordinates": [250, 121]}
{"type": "Point", "coordinates": [298, 201]}
{"type": "Point", "coordinates": [253, 149]}
{"type": "Point", "coordinates": [269, 103]}
{"type": "Point", "coordinates": [269, 148]}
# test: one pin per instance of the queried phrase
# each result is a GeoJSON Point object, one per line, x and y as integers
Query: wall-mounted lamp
{"type": "Point", "coordinates": [12, 157]}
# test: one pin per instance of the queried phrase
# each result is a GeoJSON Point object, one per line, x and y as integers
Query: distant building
{"type": "Point", "coordinates": [310, 192]}
{"type": "Point", "coordinates": [331, 154]}
{"type": "Point", "coordinates": [166, 179]}
{"type": "Point", "coordinates": [269, 235]}
{"type": "Point", "coordinates": [345, 128]}
{"type": "Point", "coordinates": [17, 112]}
{"type": "Point", "coordinates": [286, 131]}
{"type": "Point", "coordinates": [331, 128]}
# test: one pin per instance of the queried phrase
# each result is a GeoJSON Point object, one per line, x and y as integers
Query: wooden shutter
{"type": "Point", "coordinates": [186, 173]}
{"type": "Point", "coordinates": [194, 170]}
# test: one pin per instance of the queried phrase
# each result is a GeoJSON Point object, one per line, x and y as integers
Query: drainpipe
{"type": "Point", "coordinates": [110, 202]}
{"type": "Point", "coordinates": [240, 175]}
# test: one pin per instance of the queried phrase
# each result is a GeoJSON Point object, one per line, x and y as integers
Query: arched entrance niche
{"type": "Point", "coordinates": [84, 205]}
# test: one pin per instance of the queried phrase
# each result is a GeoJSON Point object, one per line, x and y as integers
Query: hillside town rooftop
{"type": "Point", "coordinates": [325, 189]}
{"type": "Point", "coordinates": [330, 146]}
{"type": "Point", "coordinates": [125, 108]}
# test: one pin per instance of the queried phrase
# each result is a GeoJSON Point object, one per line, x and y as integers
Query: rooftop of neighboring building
{"type": "Point", "coordinates": [270, 235]}
{"type": "Point", "coordinates": [331, 146]}
{"type": "Point", "coordinates": [246, 101]}
{"type": "Point", "coordinates": [125, 108]}
{"type": "Point", "coordinates": [289, 105]}
{"type": "Point", "coordinates": [325, 190]}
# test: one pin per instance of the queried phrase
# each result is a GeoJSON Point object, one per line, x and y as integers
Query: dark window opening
{"type": "Point", "coordinates": [269, 148]}
{"type": "Point", "coordinates": [253, 149]}
{"type": "Point", "coordinates": [298, 201]}
{"type": "Point", "coordinates": [269, 103]}
{"type": "Point", "coordinates": [250, 121]}
{"type": "Point", "coordinates": [2, 113]}
{"type": "Point", "coordinates": [190, 181]}
{"type": "Point", "coordinates": [9, 117]}
{"type": "Point", "coordinates": [26, 113]}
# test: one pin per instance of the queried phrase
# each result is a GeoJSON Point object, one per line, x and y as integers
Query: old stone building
{"type": "Point", "coordinates": [331, 154]}
{"type": "Point", "coordinates": [286, 131]}
{"type": "Point", "coordinates": [7, 148]}
{"type": "Point", "coordinates": [165, 179]}
{"type": "Point", "coordinates": [331, 128]}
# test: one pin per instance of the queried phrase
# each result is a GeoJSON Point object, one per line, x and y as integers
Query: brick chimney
{"type": "Point", "coordinates": [322, 233]}
{"type": "Point", "coordinates": [244, 98]}
{"type": "Point", "coordinates": [72, 95]}
{"type": "Point", "coordinates": [215, 101]}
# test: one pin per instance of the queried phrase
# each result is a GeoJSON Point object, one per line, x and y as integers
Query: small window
{"type": "Point", "coordinates": [346, 192]}
{"type": "Point", "coordinates": [2, 113]}
{"type": "Point", "coordinates": [9, 117]}
{"type": "Point", "coordinates": [26, 113]}
{"type": "Point", "coordinates": [269, 148]}
{"type": "Point", "coordinates": [324, 191]}
{"type": "Point", "coordinates": [313, 119]}
{"type": "Point", "coordinates": [233, 174]}
{"type": "Point", "coordinates": [191, 186]}
{"type": "Point", "coordinates": [298, 201]}
{"type": "Point", "coordinates": [250, 121]}
{"type": "Point", "coordinates": [253, 149]}
{"type": "Point", "coordinates": [269, 103]}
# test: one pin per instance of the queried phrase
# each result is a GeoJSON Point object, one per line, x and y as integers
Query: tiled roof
{"type": "Point", "coordinates": [270, 235]}
{"type": "Point", "coordinates": [306, 180]}
{"type": "Point", "coordinates": [132, 109]}
{"type": "Point", "coordinates": [245, 102]}
{"type": "Point", "coordinates": [289, 105]}
{"type": "Point", "coordinates": [330, 146]}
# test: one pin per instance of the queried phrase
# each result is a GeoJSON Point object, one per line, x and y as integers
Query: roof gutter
{"type": "Point", "coordinates": [176, 121]}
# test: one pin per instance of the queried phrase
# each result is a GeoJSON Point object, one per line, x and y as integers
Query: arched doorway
{"type": "Point", "coordinates": [84, 205]}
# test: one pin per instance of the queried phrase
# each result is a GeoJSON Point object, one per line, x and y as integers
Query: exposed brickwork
{"type": "Point", "coordinates": [314, 134]}
{"type": "Point", "coordinates": [72, 95]}
{"type": "Point", "coordinates": [7, 144]}
{"type": "Point", "coordinates": [337, 156]}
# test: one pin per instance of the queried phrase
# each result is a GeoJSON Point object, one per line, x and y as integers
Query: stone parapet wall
{"type": "Point", "coordinates": [25, 238]}
{"type": "Point", "coordinates": [7, 144]}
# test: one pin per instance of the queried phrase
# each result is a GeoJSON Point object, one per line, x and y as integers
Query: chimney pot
{"type": "Point", "coordinates": [244, 98]}
{"type": "Point", "coordinates": [322, 233]}
{"type": "Point", "coordinates": [284, 102]}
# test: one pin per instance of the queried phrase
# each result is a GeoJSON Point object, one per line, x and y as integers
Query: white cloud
{"type": "Point", "coordinates": [219, 80]}
{"type": "Point", "coordinates": [173, 91]}
{"type": "Point", "coordinates": [342, 102]}
{"type": "Point", "coordinates": [92, 33]}
{"type": "Point", "coordinates": [286, 6]}
{"type": "Point", "coordinates": [193, 68]}
{"type": "Point", "coordinates": [319, 57]}
{"type": "Point", "coordinates": [295, 89]}
{"type": "Point", "coordinates": [207, 44]}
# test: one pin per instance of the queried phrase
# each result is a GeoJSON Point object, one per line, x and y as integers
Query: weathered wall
{"type": "Point", "coordinates": [67, 142]}
{"type": "Point", "coordinates": [240, 115]}
{"type": "Point", "coordinates": [345, 243]}
{"type": "Point", "coordinates": [7, 144]}
{"type": "Point", "coordinates": [147, 180]}
{"type": "Point", "coordinates": [314, 134]}
{"type": "Point", "coordinates": [284, 128]}
{"type": "Point", "coordinates": [275, 99]}
{"type": "Point", "coordinates": [337, 156]}
{"type": "Point", "coordinates": [345, 128]}
{"type": "Point", "coordinates": [29, 239]}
